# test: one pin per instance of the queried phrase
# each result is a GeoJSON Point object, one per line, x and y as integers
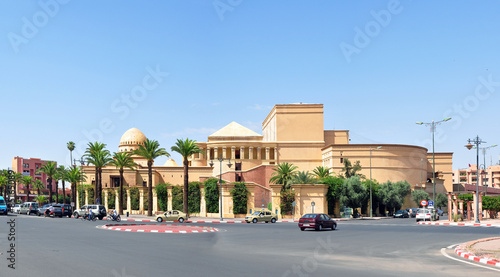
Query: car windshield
{"type": "Point", "coordinates": [256, 213]}
{"type": "Point", "coordinates": [2, 202]}
{"type": "Point", "coordinates": [309, 216]}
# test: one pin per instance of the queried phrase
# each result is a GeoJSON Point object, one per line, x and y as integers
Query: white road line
{"type": "Point", "coordinates": [443, 252]}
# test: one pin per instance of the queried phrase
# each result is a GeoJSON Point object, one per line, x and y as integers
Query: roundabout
{"type": "Point", "coordinates": [158, 228]}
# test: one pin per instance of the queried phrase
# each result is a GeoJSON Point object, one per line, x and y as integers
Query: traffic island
{"type": "Point", "coordinates": [158, 228]}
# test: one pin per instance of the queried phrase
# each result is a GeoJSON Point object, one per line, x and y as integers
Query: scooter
{"type": "Point", "coordinates": [117, 219]}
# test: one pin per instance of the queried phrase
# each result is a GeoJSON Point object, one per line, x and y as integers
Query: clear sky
{"type": "Point", "coordinates": [89, 70]}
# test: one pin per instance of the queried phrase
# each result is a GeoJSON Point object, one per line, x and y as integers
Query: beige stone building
{"type": "Point", "coordinates": [292, 133]}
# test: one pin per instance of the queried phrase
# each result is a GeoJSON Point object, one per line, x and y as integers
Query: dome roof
{"type": "Point", "coordinates": [170, 162]}
{"type": "Point", "coordinates": [132, 136]}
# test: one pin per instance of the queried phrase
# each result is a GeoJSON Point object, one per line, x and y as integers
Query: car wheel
{"type": "Point", "coordinates": [118, 218]}
{"type": "Point", "coordinates": [273, 220]}
{"type": "Point", "coordinates": [159, 219]}
{"type": "Point", "coordinates": [101, 217]}
{"type": "Point", "coordinates": [76, 215]}
{"type": "Point", "coordinates": [181, 220]}
{"type": "Point", "coordinates": [254, 220]}
{"type": "Point", "coordinates": [320, 227]}
{"type": "Point", "coordinates": [302, 228]}
{"type": "Point", "coordinates": [334, 226]}
{"type": "Point", "coordinates": [267, 221]}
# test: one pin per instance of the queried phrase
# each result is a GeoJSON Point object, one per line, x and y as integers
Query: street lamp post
{"type": "Point", "coordinates": [371, 209]}
{"type": "Point", "coordinates": [82, 163]}
{"type": "Point", "coordinates": [433, 125]}
{"type": "Point", "coordinates": [220, 159]}
{"type": "Point", "coordinates": [469, 146]}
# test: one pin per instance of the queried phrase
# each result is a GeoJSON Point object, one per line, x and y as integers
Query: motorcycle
{"type": "Point", "coordinates": [110, 218]}
{"type": "Point", "coordinates": [91, 218]}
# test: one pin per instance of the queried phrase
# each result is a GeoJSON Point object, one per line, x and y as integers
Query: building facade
{"type": "Point", "coordinates": [29, 167]}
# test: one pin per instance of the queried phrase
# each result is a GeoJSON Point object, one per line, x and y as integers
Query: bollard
{"type": "Point", "coordinates": [127, 214]}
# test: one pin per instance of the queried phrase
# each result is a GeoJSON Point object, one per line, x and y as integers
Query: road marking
{"type": "Point", "coordinates": [443, 252]}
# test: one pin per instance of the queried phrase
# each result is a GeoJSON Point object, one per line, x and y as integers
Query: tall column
{"type": "Point", "coordinates": [155, 202]}
{"type": "Point", "coordinates": [449, 207]}
{"type": "Point", "coordinates": [250, 153]}
{"type": "Point", "coordinates": [259, 152]}
{"type": "Point", "coordinates": [203, 205]}
{"type": "Point", "coordinates": [242, 152]}
{"type": "Point", "coordinates": [87, 196]}
{"type": "Point", "coordinates": [216, 152]}
{"type": "Point", "coordinates": [129, 201]}
{"type": "Point", "coordinates": [233, 152]}
{"type": "Point", "coordinates": [267, 153]}
{"type": "Point", "coordinates": [169, 194]}
{"type": "Point", "coordinates": [480, 207]}
{"type": "Point", "coordinates": [461, 206]}
{"type": "Point", "coordinates": [141, 200]}
{"type": "Point", "coordinates": [106, 199]}
{"type": "Point", "coordinates": [474, 198]}
{"type": "Point", "coordinates": [117, 199]}
{"type": "Point", "coordinates": [276, 154]}
{"type": "Point", "coordinates": [455, 204]}
{"type": "Point", "coordinates": [77, 204]}
{"type": "Point", "coordinates": [224, 152]}
{"type": "Point", "coordinates": [208, 153]}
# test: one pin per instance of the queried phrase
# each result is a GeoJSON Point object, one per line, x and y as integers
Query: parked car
{"type": "Point", "coordinates": [98, 210]}
{"type": "Point", "coordinates": [440, 212]}
{"type": "Point", "coordinates": [3, 206]}
{"type": "Point", "coordinates": [54, 210]}
{"type": "Point", "coordinates": [262, 215]}
{"type": "Point", "coordinates": [317, 222]}
{"type": "Point", "coordinates": [15, 209]}
{"type": "Point", "coordinates": [401, 214]}
{"type": "Point", "coordinates": [67, 210]}
{"type": "Point", "coordinates": [41, 211]}
{"type": "Point", "coordinates": [29, 208]}
{"type": "Point", "coordinates": [425, 214]}
{"type": "Point", "coordinates": [173, 215]}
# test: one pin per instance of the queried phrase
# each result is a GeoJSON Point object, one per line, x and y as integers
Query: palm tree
{"type": "Point", "coordinates": [122, 160]}
{"type": "Point", "coordinates": [3, 184]}
{"type": "Point", "coordinates": [27, 180]}
{"type": "Point", "coordinates": [321, 172]}
{"type": "Point", "coordinates": [38, 185]}
{"type": "Point", "coordinates": [75, 176]}
{"type": "Point", "coordinates": [97, 155]}
{"type": "Point", "coordinates": [283, 174]}
{"type": "Point", "coordinates": [17, 179]}
{"type": "Point", "coordinates": [71, 147]}
{"type": "Point", "coordinates": [303, 177]}
{"type": "Point", "coordinates": [186, 148]}
{"type": "Point", "coordinates": [50, 169]}
{"type": "Point", "coordinates": [63, 176]}
{"type": "Point", "coordinates": [151, 150]}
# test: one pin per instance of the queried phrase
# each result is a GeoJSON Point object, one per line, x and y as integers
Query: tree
{"type": "Point", "coordinates": [162, 194]}
{"type": "Point", "coordinates": [40, 199]}
{"type": "Point", "coordinates": [240, 197]}
{"type": "Point", "coordinates": [18, 176]}
{"type": "Point", "coordinates": [350, 170]}
{"type": "Point", "coordinates": [334, 188]}
{"type": "Point", "coordinates": [321, 172]}
{"type": "Point", "coordinates": [353, 192]}
{"type": "Point", "coordinates": [393, 194]}
{"type": "Point", "coordinates": [38, 185]}
{"type": "Point", "coordinates": [50, 169]}
{"type": "Point", "coordinates": [123, 160]}
{"type": "Point", "coordinates": [97, 155]}
{"type": "Point", "coordinates": [75, 176]}
{"type": "Point", "coordinates": [212, 195]}
{"type": "Point", "coordinates": [303, 177]}
{"type": "Point", "coordinates": [27, 181]}
{"type": "Point", "coordinates": [71, 147]}
{"type": "Point", "coordinates": [419, 195]}
{"type": "Point", "coordinates": [150, 150]}
{"type": "Point", "coordinates": [441, 200]}
{"type": "Point", "coordinates": [186, 148]}
{"type": "Point", "coordinates": [283, 174]}
{"type": "Point", "coordinates": [3, 184]}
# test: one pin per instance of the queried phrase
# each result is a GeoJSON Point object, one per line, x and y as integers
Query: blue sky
{"type": "Point", "coordinates": [86, 70]}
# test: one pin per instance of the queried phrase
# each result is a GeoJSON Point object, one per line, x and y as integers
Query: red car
{"type": "Point", "coordinates": [317, 221]}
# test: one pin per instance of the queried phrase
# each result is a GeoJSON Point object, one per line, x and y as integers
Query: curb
{"type": "Point", "coordinates": [115, 228]}
{"type": "Point", "coordinates": [457, 224]}
{"type": "Point", "coordinates": [469, 256]}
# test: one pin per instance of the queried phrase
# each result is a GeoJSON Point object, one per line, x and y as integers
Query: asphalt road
{"type": "Point", "coordinates": [389, 247]}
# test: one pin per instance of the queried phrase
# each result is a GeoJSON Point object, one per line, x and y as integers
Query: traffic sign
{"type": "Point", "coordinates": [423, 203]}
{"type": "Point", "coordinates": [431, 203]}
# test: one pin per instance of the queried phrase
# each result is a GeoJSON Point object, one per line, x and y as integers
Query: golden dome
{"type": "Point", "coordinates": [133, 137]}
{"type": "Point", "coordinates": [170, 162]}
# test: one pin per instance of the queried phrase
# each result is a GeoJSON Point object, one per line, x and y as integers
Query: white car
{"type": "Point", "coordinates": [425, 214]}
{"type": "Point", "coordinates": [16, 208]}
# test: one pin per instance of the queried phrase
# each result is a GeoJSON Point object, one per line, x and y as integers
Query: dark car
{"type": "Point", "coordinates": [40, 211]}
{"type": "Point", "coordinates": [67, 210]}
{"type": "Point", "coordinates": [401, 214]}
{"type": "Point", "coordinates": [317, 222]}
{"type": "Point", "coordinates": [54, 210]}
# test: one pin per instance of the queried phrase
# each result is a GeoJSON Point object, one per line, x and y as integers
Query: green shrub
{"type": "Point", "coordinates": [134, 198]}
{"type": "Point", "coordinates": [212, 195]}
{"type": "Point", "coordinates": [177, 198]}
{"type": "Point", "coordinates": [162, 195]}
{"type": "Point", "coordinates": [111, 199]}
{"type": "Point", "coordinates": [240, 197]}
{"type": "Point", "coordinates": [194, 197]}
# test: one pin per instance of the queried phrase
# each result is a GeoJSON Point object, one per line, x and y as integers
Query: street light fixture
{"type": "Point", "coordinates": [433, 125]}
{"type": "Point", "coordinates": [82, 163]}
{"type": "Point", "coordinates": [220, 159]}
{"type": "Point", "coordinates": [371, 209]}
{"type": "Point", "coordinates": [469, 146]}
